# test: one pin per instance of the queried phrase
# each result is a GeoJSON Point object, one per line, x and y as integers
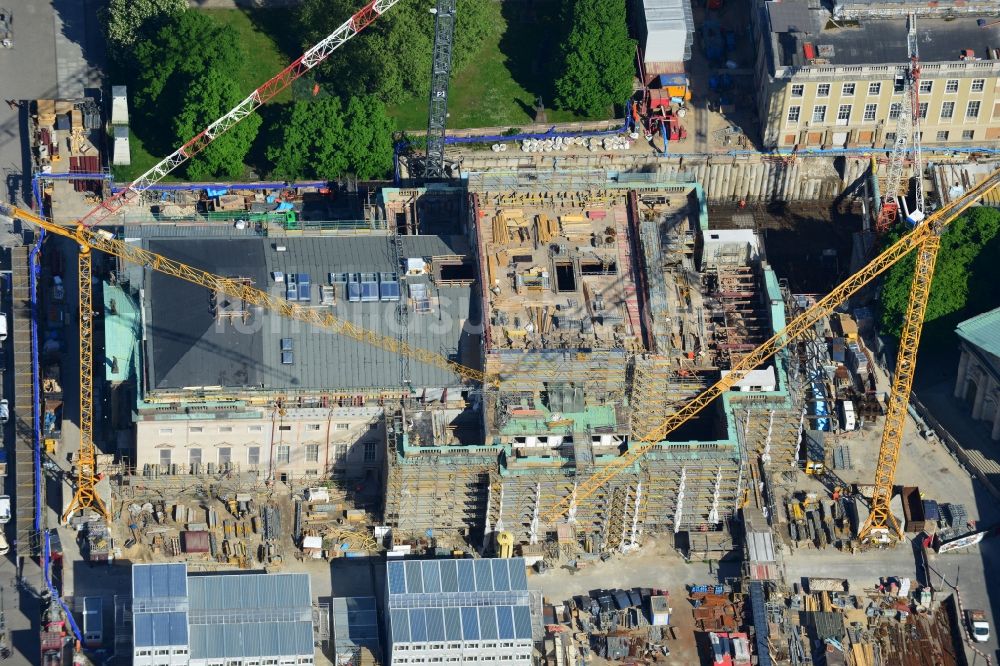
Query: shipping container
{"type": "Point", "coordinates": [195, 542]}
{"type": "Point", "coordinates": [93, 622]}
{"type": "Point", "coordinates": [913, 509]}
{"type": "Point", "coordinates": [659, 611]}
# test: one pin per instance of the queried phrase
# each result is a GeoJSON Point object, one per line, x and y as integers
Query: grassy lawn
{"type": "Point", "coordinates": [142, 161]}
{"type": "Point", "coordinates": [264, 57]}
{"type": "Point", "coordinates": [497, 87]}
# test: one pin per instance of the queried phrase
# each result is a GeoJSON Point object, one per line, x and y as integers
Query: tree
{"type": "Point", "coordinates": [597, 59]}
{"type": "Point", "coordinates": [392, 60]}
{"type": "Point", "coordinates": [310, 140]}
{"type": "Point", "coordinates": [962, 261]}
{"type": "Point", "coordinates": [368, 146]}
{"type": "Point", "coordinates": [127, 21]}
{"type": "Point", "coordinates": [206, 99]}
{"type": "Point", "coordinates": [185, 49]}
{"type": "Point", "coordinates": [318, 138]}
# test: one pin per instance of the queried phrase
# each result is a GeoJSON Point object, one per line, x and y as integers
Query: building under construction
{"type": "Point", "coordinates": [606, 306]}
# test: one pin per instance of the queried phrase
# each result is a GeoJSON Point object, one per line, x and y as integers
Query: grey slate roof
{"type": "Point", "coordinates": [186, 347]}
{"type": "Point", "coordinates": [875, 41]}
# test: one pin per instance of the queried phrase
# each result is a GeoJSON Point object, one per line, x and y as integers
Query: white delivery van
{"type": "Point", "coordinates": [4, 509]}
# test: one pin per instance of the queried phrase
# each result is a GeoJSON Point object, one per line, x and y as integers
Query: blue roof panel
{"type": "Point", "coordinates": [432, 576]}
{"type": "Point", "coordinates": [414, 580]}
{"type": "Point", "coordinates": [505, 623]}
{"type": "Point", "coordinates": [501, 578]}
{"type": "Point", "coordinates": [449, 576]}
{"type": "Point", "coordinates": [518, 576]}
{"type": "Point", "coordinates": [453, 624]}
{"type": "Point", "coordinates": [488, 623]}
{"type": "Point", "coordinates": [470, 624]}
{"type": "Point", "coordinates": [484, 575]}
{"type": "Point", "coordinates": [522, 622]}
{"type": "Point", "coordinates": [399, 621]}
{"type": "Point", "coordinates": [418, 625]}
{"type": "Point", "coordinates": [466, 576]}
{"type": "Point", "coordinates": [397, 578]}
{"type": "Point", "coordinates": [435, 624]}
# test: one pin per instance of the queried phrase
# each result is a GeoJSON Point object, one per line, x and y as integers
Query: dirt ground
{"type": "Point", "coordinates": [655, 565]}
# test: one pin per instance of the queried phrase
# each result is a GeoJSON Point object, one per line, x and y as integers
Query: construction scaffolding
{"type": "Point", "coordinates": [25, 496]}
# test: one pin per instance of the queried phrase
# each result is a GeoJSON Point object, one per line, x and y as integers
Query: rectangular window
{"type": "Point", "coordinates": [340, 453]}
{"type": "Point", "coordinates": [798, 89]}
{"type": "Point", "coordinates": [225, 455]}
{"type": "Point", "coordinates": [312, 426]}
{"type": "Point", "coordinates": [978, 85]}
{"type": "Point", "coordinates": [284, 454]}
{"type": "Point", "coordinates": [823, 90]}
{"type": "Point", "coordinates": [972, 110]}
{"type": "Point", "coordinates": [894, 110]}
{"type": "Point", "coordinates": [947, 110]}
{"type": "Point", "coordinates": [253, 455]}
{"type": "Point", "coordinates": [847, 90]}
{"type": "Point", "coordinates": [284, 428]}
{"type": "Point", "coordinates": [926, 86]}
{"type": "Point", "coordinates": [371, 452]}
{"type": "Point", "coordinates": [942, 135]}
{"type": "Point", "coordinates": [255, 428]}
{"type": "Point", "coordinates": [164, 456]}
{"type": "Point", "coordinates": [225, 428]}
{"type": "Point", "coordinates": [196, 429]}
{"type": "Point", "coordinates": [890, 137]}
{"type": "Point", "coordinates": [951, 86]}
{"type": "Point", "coordinates": [343, 426]}
{"type": "Point", "coordinates": [870, 111]}
{"type": "Point", "coordinates": [166, 431]}
{"type": "Point", "coordinates": [312, 452]}
{"type": "Point", "coordinates": [844, 114]}
{"type": "Point", "coordinates": [194, 456]}
{"type": "Point", "coordinates": [922, 110]}
{"type": "Point", "coordinates": [874, 88]}
{"type": "Point", "coordinates": [968, 135]}
{"type": "Point", "coordinates": [819, 113]}
{"type": "Point", "coordinates": [793, 114]}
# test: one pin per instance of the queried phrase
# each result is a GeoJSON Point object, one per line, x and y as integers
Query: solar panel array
{"type": "Point", "coordinates": [458, 600]}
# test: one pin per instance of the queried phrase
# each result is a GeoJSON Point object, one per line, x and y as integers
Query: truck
{"type": "Point", "coordinates": [979, 626]}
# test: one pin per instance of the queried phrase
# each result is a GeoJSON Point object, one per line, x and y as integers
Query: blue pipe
{"type": "Point", "coordinates": [231, 186]}
{"type": "Point", "coordinates": [37, 416]}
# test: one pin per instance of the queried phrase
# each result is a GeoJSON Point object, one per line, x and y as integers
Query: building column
{"type": "Point", "coordinates": [963, 369]}
{"type": "Point", "coordinates": [984, 387]}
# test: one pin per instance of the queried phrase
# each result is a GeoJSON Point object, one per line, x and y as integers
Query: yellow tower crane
{"type": "Point", "coordinates": [86, 495]}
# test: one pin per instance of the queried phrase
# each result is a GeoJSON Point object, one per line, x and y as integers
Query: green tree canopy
{"type": "Point", "coordinates": [597, 57]}
{"type": "Point", "coordinates": [392, 59]}
{"type": "Point", "coordinates": [127, 21]}
{"type": "Point", "coordinates": [207, 98]}
{"type": "Point", "coordinates": [369, 138]}
{"type": "Point", "coordinates": [318, 138]}
{"type": "Point", "coordinates": [965, 278]}
{"type": "Point", "coordinates": [309, 140]}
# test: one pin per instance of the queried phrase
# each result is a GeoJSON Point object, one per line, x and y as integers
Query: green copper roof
{"type": "Point", "coordinates": [983, 331]}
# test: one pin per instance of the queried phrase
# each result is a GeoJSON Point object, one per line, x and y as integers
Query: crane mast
{"type": "Point", "coordinates": [262, 95]}
{"type": "Point", "coordinates": [907, 135]}
{"type": "Point", "coordinates": [437, 119]}
{"type": "Point", "coordinates": [86, 496]}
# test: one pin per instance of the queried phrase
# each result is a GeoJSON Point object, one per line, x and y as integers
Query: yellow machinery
{"type": "Point", "coordinates": [880, 522]}
{"type": "Point", "coordinates": [505, 545]}
{"type": "Point", "coordinates": [86, 496]}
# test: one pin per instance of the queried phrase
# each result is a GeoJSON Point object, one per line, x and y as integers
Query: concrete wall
{"type": "Point", "coordinates": [301, 444]}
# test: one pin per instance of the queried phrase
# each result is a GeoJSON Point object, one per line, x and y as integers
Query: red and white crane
{"type": "Point", "coordinates": [907, 135]}
{"type": "Point", "coordinates": [262, 95]}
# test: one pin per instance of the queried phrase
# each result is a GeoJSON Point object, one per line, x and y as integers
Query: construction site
{"type": "Point", "coordinates": [585, 410]}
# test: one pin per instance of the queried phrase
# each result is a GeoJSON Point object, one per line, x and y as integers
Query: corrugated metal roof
{"type": "Point", "coordinates": [982, 331]}
{"type": "Point", "coordinates": [760, 547]}
{"type": "Point", "coordinates": [251, 615]}
{"type": "Point", "coordinates": [159, 581]}
{"type": "Point", "coordinates": [452, 600]}
{"type": "Point", "coordinates": [159, 629]}
{"type": "Point", "coordinates": [188, 347]}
